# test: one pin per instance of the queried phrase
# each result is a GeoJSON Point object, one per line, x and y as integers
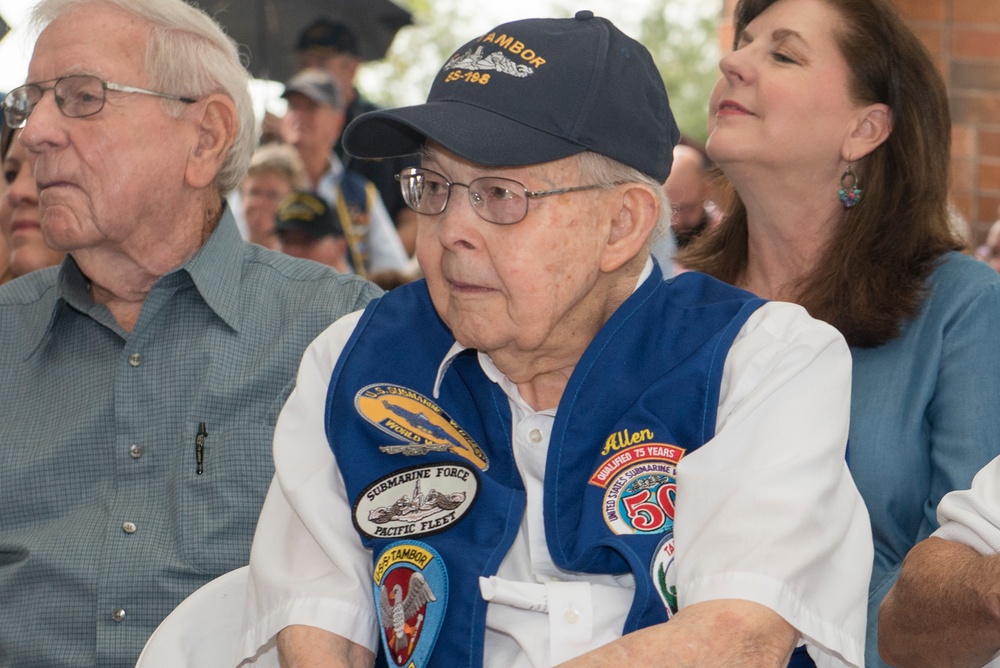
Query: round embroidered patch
{"type": "Point", "coordinates": [639, 488]}
{"type": "Point", "coordinates": [664, 573]}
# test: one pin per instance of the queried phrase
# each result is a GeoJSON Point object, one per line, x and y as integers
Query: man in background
{"type": "Point", "coordinates": [313, 124]}
{"type": "Point", "coordinates": [307, 228]}
{"type": "Point", "coordinates": [333, 47]}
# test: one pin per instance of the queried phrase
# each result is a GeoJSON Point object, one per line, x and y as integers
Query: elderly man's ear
{"type": "Point", "coordinates": [215, 125]}
{"type": "Point", "coordinates": [634, 216]}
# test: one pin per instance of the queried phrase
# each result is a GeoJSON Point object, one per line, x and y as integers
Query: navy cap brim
{"type": "Point", "coordinates": [310, 229]}
{"type": "Point", "coordinates": [479, 135]}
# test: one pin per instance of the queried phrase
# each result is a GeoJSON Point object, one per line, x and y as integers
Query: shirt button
{"type": "Point", "coordinates": [118, 615]}
{"type": "Point", "coordinates": [128, 527]}
{"type": "Point", "coordinates": [135, 359]}
{"type": "Point", "coordinates": [535, 436]}
{"type": "Point", "coordinates": [571, 616]}
{"type": "Point", "coordinates": [135, 451]}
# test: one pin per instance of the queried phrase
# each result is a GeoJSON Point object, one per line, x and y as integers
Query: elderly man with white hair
{"type": "Point", "coordinates": [545, 452]}
{"type": "Point", "coordinates": [143, 376]}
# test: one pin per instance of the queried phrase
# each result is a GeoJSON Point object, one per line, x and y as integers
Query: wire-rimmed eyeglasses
{"type": "Point", "coordinates": [77, 95]}
{"type": "Point", "coordinates": [494, 199]}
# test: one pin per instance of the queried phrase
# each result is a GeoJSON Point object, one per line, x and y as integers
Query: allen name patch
{"type": "Point", "coordinates": [640, 488]}
{"type": "Point", "coordinates": [411, 591]}
{"type": "Point", "coordinates": [412, 417]}
{"type": "Point", "coordinates": [417, 501]}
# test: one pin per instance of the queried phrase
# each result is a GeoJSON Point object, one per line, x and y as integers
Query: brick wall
{"type": "Point", "coordinates": [964, 38]}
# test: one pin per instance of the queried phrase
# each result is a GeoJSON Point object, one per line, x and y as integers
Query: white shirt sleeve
{"type": "Point", "coordinates": [972, 516]}
{"type": "Point", "coordinates": [767, 511]}
{"type": "Point", "coordinates": [307, 564]}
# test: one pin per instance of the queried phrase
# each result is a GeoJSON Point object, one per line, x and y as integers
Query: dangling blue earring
{"type": "Point", "coordinates": [850, 193]}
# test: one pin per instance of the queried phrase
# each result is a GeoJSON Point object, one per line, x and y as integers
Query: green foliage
{"type": "Point", "coordinates": [688, 56]}
{"type": "Point", "coordinates": [680, 34]}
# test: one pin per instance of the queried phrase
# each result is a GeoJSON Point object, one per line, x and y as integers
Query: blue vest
{"type": "Point", "coordinates": [433, 481]}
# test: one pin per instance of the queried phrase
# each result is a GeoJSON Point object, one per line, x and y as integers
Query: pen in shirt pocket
{"type": "Point", "coordinates": [199, 448]}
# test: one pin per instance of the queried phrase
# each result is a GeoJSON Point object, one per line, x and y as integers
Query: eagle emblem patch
{"type": "Point", "coordinates": [411, 591]}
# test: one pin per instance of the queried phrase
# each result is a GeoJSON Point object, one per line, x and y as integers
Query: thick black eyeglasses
{"type": "Point", "coordinates": [77, 95]}
{"type": "Point", "coordinates": [496, 200]}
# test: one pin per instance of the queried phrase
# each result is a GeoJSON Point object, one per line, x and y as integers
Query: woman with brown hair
{"type": "Point", "coordinates": [831, 123]}
{"type": "Point", "coordinates": [20, 217]}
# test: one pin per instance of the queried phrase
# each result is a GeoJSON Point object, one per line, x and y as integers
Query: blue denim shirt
{"type": "Point", "coordinates": [105, 522]}
{"type": "Point", "coordinates": [925, 415]}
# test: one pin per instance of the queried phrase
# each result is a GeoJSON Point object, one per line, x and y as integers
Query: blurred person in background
{"type": "Point", "coordinates": [688, 189]}
{"type": "Point", "coordinates": [313, 124]}
{"type": "Point", "coordinates": [989, 252]}
{"type": "Point", "coordinates": [333, 47]}
{"type": "Point", "coordinates": [307, 228]}
{"type": "Point", "coordinates": [275, 171]}
{"type": "Point", "coordinates": [20, 228]}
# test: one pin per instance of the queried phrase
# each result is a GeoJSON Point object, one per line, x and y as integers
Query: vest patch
{"type": "Point", "coordinates": [417, 501]}
{"type": "Point", "coordinates": [640, 488]}
{"type": "Point", "coordinates": [664, 573]}
{"type": "Point", "coordinates": [412, 417]}
{"type": "Point", "coordinates": [411, 587]}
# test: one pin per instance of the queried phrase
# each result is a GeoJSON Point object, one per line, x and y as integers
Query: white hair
{"type": "Point", "coordinates": [602, 170]}
{"type": "Point", "coordinates": [187, 54]}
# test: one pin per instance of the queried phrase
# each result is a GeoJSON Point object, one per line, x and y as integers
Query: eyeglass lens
{"type": "Point", "coordinates": [76, 96]}
{"type": "Point", "coordinates": [497, 200]}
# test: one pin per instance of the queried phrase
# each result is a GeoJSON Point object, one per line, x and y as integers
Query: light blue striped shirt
{"type": "Point", "coordinates": [105, 522]}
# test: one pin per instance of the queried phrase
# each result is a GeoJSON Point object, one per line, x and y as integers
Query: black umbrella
{"type": "Point", "coordinates": [268, 29]}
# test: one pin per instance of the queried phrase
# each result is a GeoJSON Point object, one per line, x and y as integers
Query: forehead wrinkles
{"type": "Point", "coordinates": [104, 40]}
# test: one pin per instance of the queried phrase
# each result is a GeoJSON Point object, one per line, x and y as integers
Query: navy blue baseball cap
{"type": "Point", "coordinates": [534, 91]}
{"type": "Point", "coordinates": [328, 34]}
{"type": "Point", "coordinates": [307, 212]}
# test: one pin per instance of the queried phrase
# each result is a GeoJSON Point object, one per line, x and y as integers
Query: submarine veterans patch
{"type": "Point", "coordinates": [416, 501]}
{"type": "Point", "coordinates": [640, 488]}
{"type": "Point", "coordinates": [414, 418]}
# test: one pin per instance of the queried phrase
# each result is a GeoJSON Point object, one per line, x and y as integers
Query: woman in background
{"type": "Point", "coordinates": [831, 123]}
{"type": "Point", "coordinates": [275, 172]}
{"type": "Point", "coordinates": [19, 214]}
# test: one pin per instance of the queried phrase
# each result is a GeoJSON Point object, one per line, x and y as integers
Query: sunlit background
{"type": "Point", "coordinates": [681, 34]}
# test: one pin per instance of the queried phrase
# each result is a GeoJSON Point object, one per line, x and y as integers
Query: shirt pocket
{"type": "Point", "coordinates": [218, 508]}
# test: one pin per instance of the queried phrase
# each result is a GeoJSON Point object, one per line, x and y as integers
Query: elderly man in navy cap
{"type": "Point", "coordinates": [545, 452]}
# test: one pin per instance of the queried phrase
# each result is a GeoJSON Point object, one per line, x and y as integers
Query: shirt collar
{"type": "Point", "coordinates": [216, 269]}
{"type": "Point", "coordinates": [490, 369]}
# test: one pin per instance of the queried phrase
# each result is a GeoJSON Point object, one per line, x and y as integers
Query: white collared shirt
{"type": "Point", "coordinates": [766, 511]}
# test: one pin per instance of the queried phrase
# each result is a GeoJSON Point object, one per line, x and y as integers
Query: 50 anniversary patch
{"type": "Point", "coordinates": [639, 488]}
{"type": "Point", "coordinates": [416, 501]}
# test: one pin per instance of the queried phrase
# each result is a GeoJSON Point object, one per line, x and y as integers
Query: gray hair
{"type": "Point", "coordinates": [281, 159]}
{"type": "Point", "coordinates": [187, 54]}
{"type": "Point", "coordinates": [602, 170]}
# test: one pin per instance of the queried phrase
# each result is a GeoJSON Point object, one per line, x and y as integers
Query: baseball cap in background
{"type": "Point", "coordinates": [324, 33]}
{"type": "Point", "coordinates": [307, 212]}
{"type": "Point", "coordinates": [533, 91]}
{"type": "Point", "coordinates": [317, 85]}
